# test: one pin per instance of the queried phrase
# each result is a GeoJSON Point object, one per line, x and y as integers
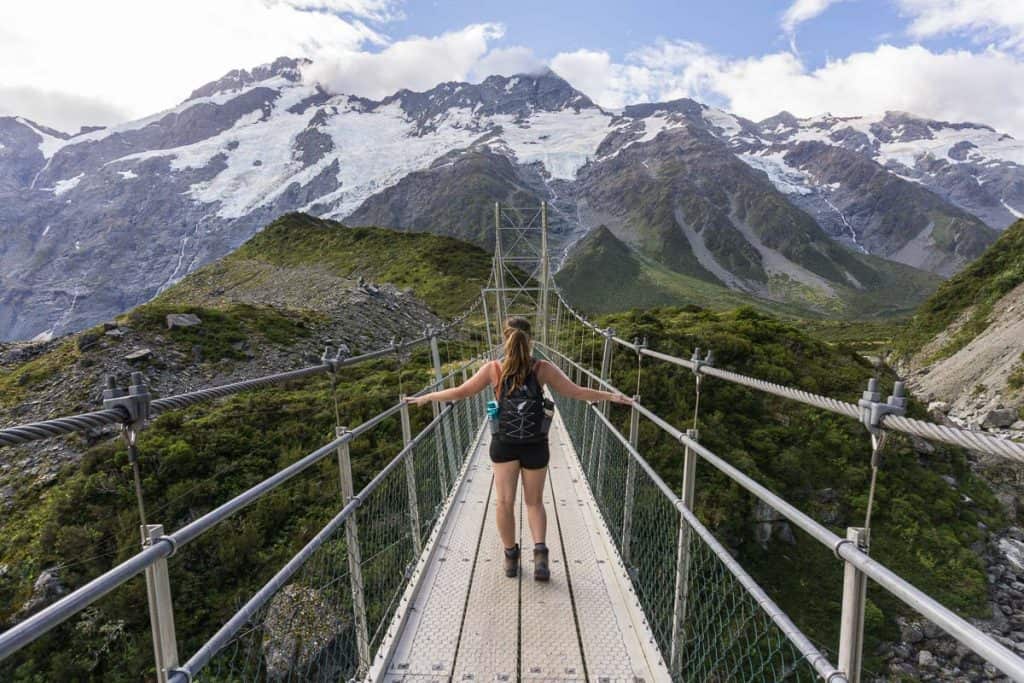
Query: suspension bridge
{"type": "Point", "coordinates": [404, 583]}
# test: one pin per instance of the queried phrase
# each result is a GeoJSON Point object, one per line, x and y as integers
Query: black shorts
{"type": "Point", "coordinates": [531, 456]}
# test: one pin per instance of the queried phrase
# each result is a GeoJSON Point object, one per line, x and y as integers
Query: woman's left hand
{"type": "Point", "coordinates": [622, 399]}
{"type": "Point", "coordinates": [417, 400]}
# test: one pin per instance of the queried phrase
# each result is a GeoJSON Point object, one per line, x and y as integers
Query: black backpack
{"type": "Point", "coordinates": [522, 417]}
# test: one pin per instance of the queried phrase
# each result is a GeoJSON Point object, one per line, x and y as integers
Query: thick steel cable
{"type": "Point", "coordinates": [47, 429]}
{"type": "Point", "coordinates": [975, 441]}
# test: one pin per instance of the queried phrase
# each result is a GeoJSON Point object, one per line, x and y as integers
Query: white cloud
{"type": "Point", "coordinates": [374, 10]}
{"type": "Point", "coordinates": [803, 10]}
{"type": "Point", "coordinates": [997, 20]}
{"type": "Point", "coordinates": [141, 57]}
{"type": "Point", "coordinates": [506, 61]}
{"type": "Point", "coordinates": [57, 110]}
{"type": "Point", "coordinates": [986, 87]}
{"type": "Point", "coordinates": [415, 63]}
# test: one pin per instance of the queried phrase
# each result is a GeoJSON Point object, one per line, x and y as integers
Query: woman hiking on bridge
{"type": "Point", "coordinates": [519, 447]}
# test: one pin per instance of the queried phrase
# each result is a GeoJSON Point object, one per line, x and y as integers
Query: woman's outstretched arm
{"type": "Point", "coordinates": [552, 375]}
{"type": "Point", "coordinates": [480, 380]}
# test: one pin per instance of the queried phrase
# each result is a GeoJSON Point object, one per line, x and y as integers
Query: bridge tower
{"type": "Point", "coordinates": [521, 271]}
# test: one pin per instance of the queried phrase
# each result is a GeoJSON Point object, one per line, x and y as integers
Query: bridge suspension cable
{"type": "Point", "coordinates": [972, 440]}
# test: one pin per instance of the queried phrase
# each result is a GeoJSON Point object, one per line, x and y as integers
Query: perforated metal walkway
{"type": "Point", "coordinates": [465, 621]}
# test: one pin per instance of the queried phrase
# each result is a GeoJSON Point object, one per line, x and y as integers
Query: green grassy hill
{"type": "Point", "coordinates": [602, 274]}
{"type": "Point", "coordinates": [442, 271]}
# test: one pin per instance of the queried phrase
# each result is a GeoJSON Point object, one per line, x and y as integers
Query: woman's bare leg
{"type": "Point", "coordinates": [533, 496]}
{"type": "Point", "coordinates": [506, 480]}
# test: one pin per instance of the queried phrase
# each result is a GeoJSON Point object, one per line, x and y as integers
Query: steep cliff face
{"type": "Point", "coordinates": [965, 346]}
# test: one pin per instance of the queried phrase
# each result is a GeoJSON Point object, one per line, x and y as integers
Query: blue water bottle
{"type": "Point", "coordinates": [492, 415]}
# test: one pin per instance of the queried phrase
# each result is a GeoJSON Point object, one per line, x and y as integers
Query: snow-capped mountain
{"type": "Point", "coordinates": [95, 223]}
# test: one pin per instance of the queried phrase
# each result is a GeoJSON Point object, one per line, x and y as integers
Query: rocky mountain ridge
{"type": "Point", "coordinates": [100, 221]}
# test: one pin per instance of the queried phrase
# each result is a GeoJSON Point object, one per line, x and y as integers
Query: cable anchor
{"type": "Point", "coordinates": [135, 401]}
{"type": "Point", "coordinates": [333, 357]}
{"type": "Point", "coordinates": [698, 362]}
{"type": "Point", "coordinates": [873, 410]}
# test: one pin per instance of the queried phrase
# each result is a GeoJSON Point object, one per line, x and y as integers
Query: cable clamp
{"type": "Point", "coordinates": [170, 541]}
{"type": "Point", "coordinates": [334, 357]}
{"type": "Point", "coordinates": [839, 544]}
{"type": "Point", "coordinates": [135, 401]}
{"type": "Point", "coordinates": [833, 676]}
{"type": "Point", "coordinates": [699, 362]}
{"type": "Point", "coordinates": [357, 499]}
{"type": "Point", "coordinates": [873, 410]}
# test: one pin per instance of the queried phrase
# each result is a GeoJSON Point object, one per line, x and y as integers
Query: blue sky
{"type": "Point", "coordinates": [66, 63]}
{"type": "Point", "coordinates": [736, 28]}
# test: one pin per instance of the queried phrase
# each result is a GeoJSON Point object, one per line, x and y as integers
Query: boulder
{"type": "Point", "coordinates": [178, 320]}
{"type": "Point", "coordinates": [911, 631]}
{"type": "Point", "coordinates": [141, 354]}
{"type": "Point", "coordinates": [299, 627]}
{"type": "Point", "coordinates": [1000, 418]}
{"type": "Point", "coordinates": [116, 332]}
{"type": "Point", "coordinates": [1018, 426]}
{"type": "Point", "coordinates": [925, 659]}
{"type": "Point", "coordinates": [87, 340]}
{"type": "Point", "coordinates": [47, 588]}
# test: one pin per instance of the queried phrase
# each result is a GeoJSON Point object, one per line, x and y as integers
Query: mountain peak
{"type": "Point", "coordinates": [289, 68]}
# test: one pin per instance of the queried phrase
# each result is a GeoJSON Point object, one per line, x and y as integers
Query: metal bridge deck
{"type": "Point", "coordinates": [465, 621]}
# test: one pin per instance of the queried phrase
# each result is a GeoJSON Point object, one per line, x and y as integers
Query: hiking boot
{"type": "Point", "coordinates": [541, 572]}
{"type": "Point", "coordinates": [512, 561]}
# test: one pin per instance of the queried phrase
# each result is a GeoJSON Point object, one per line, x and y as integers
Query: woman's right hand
{"type": "Point", "coordinates": [621, 399]}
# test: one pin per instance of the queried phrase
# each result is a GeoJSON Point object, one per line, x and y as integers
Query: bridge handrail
{"type": "Point", "coordinates": [53, 615]}
{"type": "Point", "coordinates": [956, 436]}
{"type": "Point", "coordinates": [842, 548]}
{"type": "Point", "coordinates": [810, 652]}
{"type": "Point", "coordinates": [223, 636]}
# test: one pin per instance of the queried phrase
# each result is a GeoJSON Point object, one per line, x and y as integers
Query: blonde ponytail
{"type": "Point", "coordinates": [517, 362]}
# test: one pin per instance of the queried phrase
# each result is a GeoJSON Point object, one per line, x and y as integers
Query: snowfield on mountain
{"type": "Point", "coordinates": [103, 220]}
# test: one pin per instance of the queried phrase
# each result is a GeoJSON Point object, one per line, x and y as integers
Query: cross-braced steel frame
{"type": "Point", "coordinates": [521, 272]}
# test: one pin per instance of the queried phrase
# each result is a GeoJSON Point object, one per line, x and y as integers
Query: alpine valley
{"type": "Point", "coordinates": [828, 216]}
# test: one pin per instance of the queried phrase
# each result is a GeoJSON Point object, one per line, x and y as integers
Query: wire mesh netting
{"type": "Point", "coordinates": [705, 621]}
{"type": "Point", "coordinates": [310, 629]}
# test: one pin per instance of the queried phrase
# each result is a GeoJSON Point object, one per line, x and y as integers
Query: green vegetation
{"type": "Point", "coordinates": [191, 461]}
{"type": "Point", "coordinates": [85, 520]}
{"type": "Point", "coordinates": [818, 461]}
{"type": "Point", "coordinates": [967, 298]}
{"type": "Point", "coordinates": [18, 383]}
{"type": "Point", "coordinates": [604, 275]}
